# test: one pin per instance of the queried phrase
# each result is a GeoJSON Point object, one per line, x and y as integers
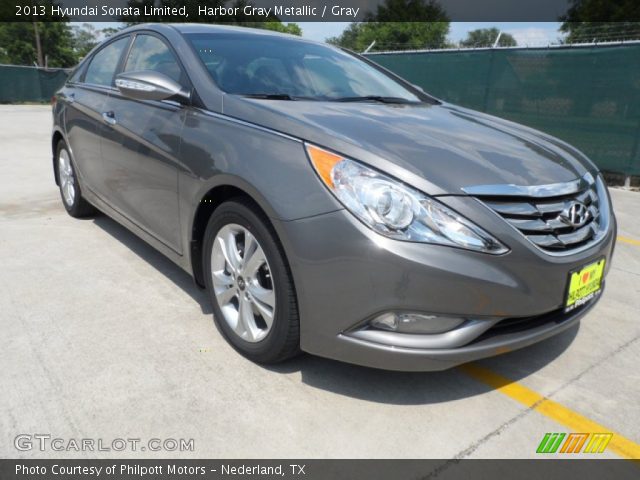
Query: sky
{"type": "Point", "coordinates": [525, 33]}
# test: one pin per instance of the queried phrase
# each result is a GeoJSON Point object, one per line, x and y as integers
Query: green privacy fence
{"type": "Point", "coordinates": [588, 96]}
{"type": "Point", "coordinates": [29, 84]}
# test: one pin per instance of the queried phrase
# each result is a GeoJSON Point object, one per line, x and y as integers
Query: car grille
{"type": "Point", "coordinates": [522, 324]}
{"type": "Point", "coordinates": [556, 223]}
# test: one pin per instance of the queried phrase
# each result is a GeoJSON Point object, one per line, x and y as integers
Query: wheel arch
{"type": "Point", "coordinates": [55, 140]}
{"type": "Point", "coordinates": [226, 189]}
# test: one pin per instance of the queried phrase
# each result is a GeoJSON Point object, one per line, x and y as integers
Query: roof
{"type": "Point", "coordinates": [187, 28]}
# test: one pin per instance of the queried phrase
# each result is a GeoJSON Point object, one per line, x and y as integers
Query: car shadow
{"type": "Point", "coordinates": [156, 259]}
{"type": "Point", "coordinates": [418, 388]}
{"type": "Point", "coordinates": [370, 384]}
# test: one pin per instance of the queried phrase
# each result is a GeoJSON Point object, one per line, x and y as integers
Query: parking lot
{"type": "Point", "coordinates": [104, 338]}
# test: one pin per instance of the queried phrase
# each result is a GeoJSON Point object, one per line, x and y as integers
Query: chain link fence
{"type": "Point", "coordinates": [588, 96]}
{"type": "Point", "coordinates": [20, 84]}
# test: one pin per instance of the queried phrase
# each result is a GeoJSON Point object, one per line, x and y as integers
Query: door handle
{"type": "Point", "coordinates": [109, 117]}
{"type": "Point", "coordinates": [71, 98]}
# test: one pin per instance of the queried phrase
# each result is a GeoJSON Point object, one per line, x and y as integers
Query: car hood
{"type": "Point", "coordinates": [448, 147]}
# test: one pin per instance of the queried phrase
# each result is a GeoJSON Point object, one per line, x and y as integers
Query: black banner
{"type": "Point", "coordinates": [221, 11]}
{"type": "Point", "coordinates": [318, 469]}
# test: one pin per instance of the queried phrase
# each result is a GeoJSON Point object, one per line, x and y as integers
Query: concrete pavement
{"type": "Point", "coordinates": [104, 338]}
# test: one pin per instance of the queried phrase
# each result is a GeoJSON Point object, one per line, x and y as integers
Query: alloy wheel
{"type": "Point", "coordinates": [242, 283]}
{"type": "Point", "coordinates": [67, 178]}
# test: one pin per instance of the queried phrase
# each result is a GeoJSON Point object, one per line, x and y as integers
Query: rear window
{"type": "Point", "coordinates": [104, 63]}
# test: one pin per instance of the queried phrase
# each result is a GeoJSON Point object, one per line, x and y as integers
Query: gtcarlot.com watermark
{"type": "Point", "coordinates": [42, 442]}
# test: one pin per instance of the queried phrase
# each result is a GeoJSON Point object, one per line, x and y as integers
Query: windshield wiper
{"type": "Point", "coordinates": [365, 98]}
{"type": "Point", "coordinates": [373, 98]}
{"type": "Point", "coordinates": [269, 96]}
{"type": "Point", "coordinates": [276, 96]}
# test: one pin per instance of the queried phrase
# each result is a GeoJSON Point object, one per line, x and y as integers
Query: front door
{"type": "Point", "coordinates": [140, 148]}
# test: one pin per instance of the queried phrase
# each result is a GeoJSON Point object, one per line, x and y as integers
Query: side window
{"type": "Point", "coordinates": [75, 75]}
{"type": "Point", "coordinates": [151, 53]}
{"type": "Point", "coordinates": [104, 63]}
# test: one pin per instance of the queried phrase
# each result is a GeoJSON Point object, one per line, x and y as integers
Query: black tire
{"type": "Point", "coordinates": [283, 339]}
{"type": "Point", "coordinates": [79, 207]}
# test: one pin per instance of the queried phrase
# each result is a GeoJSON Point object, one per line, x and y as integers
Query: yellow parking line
{"type": "Point", "coordinates": [555, 411]}
{"type": "Point", "coordinates": [632, 241]}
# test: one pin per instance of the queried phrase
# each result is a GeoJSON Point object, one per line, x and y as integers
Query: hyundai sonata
{"type": "Point", "coordinates": [326, 204]}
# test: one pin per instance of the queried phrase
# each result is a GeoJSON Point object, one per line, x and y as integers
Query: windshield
{"type": "Point", "coordinates": [266, 66]}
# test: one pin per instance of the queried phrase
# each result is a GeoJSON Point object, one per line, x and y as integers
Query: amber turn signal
{"type": "Point", "coordinates": [323, 161]}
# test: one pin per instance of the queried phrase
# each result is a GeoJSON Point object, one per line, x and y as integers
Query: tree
{"type": "Point", "coordinates": [486, 37]}
{"type": "Point", "coordinates": [270, 23]}
{"type": "Point", "coordinates": [409, 10]}
{"type": "Point", "coordinates": [85, 37]}
{"type": "Point", "coordinates": [47, 43]}
{"type": "Point", "coordinates": [393, 36]}
{"type": "Point", "coordinates": [107, 32]}
{"type": "Point", "coordinates": [601, 21]}
{"type": "Point", "coordinates": [398, 25]}
{"type": "Point", "coordinates": [276, 26]}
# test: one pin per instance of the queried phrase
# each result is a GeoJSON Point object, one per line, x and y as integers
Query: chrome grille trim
{"type": "Point", "coordinates": [535, 191]}
{"type": "Point", "coordinates": [538, 217]}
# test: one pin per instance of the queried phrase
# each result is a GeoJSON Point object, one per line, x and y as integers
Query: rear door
{"type": "Point", "coordinates": [140, 147]}
{"type": "Point", "coordinates": [85, 96]}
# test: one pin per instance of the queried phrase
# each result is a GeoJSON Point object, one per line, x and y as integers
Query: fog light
{"type": "Point", "coordinates": [416, 323]}
{"type": "Point", "coordinates": [386, 321]}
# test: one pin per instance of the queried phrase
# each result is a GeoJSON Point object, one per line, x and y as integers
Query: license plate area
{"type": "Point", "coordinates": [585, 284]}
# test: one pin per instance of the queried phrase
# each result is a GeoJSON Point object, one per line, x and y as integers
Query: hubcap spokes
{"type": "Point", "coordinates": [242, 283]}
{"type": "Point", "coordinates": [67, 179]}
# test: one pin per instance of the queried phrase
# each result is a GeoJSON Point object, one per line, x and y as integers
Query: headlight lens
{"type": "Point", "coordinates": [394, 209]}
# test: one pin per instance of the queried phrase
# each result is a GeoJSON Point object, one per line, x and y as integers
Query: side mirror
{"type": "Point", "coordinates": [150, 85]}
{"type": "Point", "coordinates": [418, 87]}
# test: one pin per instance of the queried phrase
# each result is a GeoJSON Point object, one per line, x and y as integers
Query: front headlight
{"type": "Point", "coordinates": [394, 209]}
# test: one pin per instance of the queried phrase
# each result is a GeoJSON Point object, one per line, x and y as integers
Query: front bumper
{"type": "Point", "coordinates": [346, 274]}
{"type": "Point", "coordinates": [488, 344]}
